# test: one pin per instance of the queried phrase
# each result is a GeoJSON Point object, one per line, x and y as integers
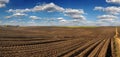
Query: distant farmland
{"type": "Point", "coordinates": [58, 42]}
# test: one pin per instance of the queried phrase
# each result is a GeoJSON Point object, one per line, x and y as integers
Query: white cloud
{"type": "Point", "coordinates": [19, 14]}
{"type": "Point", "coordinates": [113, 1]}
{"type": "Point", "coordinates": [16, 15]}
{"type": "Point", "coordinates": [19, 10]}
{"type": "Point", "coordinates": [98, 8]}
{"type": "Point", "coordinates": [60, 18]}
{"type": "Point", "coordinates": [63, 20]}
{"type": "Point", "coordinates": [79, 17]}
{"type": "Point", "coordinates": [75, 20]}
{"type": "Point", "coordinates": [108, 17]}
{"type": "Point", "coordinates": [8, 17]}
{"type": "Point", "coordinates": [111, 10]}
{"type": "Point", "coordinates": [51, 7]}
{"type": "Point", "coordinates": [106, 20]}
{"type": "Point", "coordinates": [34, 17]}
{"type": "Point", "coordinates": [75, 13]}
{"type": "Point", "coordinates": [3, 3]}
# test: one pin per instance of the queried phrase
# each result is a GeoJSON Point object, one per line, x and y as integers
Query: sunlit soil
{"type": "Point", "coordinates": [117, 40]}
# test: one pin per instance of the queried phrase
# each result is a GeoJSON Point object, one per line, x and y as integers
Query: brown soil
{"type": "Point", "coordinates": [56, 41]}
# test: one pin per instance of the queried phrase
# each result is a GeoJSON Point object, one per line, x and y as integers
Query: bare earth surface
{"type": "Point", "coordinates": [118, 47]}
{"type": "Point", "coordinates": [57, 42]}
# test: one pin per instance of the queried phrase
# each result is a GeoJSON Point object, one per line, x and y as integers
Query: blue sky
{"type": "Point", "coordinates": [60, 12]}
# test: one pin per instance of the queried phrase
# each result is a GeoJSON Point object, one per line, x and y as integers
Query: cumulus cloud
{"type": "Point", "coordinates": [16, 15]}
{"type": "Point", "coordinates": [19, 14]}
{"type": "Point", "coordinates": [63, 20]}
{"type": "Point", "coordinates": [107, 17]}
{"type": "Point", "coordinates": [8, 17]}
{"type": "Point", "coordinates": [75, 13]}
{"type": "Point", "coordinates": [34, 17]}
{"type": "Point", "coordinates": [71, 22]}
{"type": "Point", "coordinates": [106, 20]}
{"type": "Point", "coordinates": [113, 1]}
{"type": "Point", "coordinates": [51, 7]}
{"type": "Point", "coordinates": [99, 8]}
{"type": "Point", "coordinates": [111, 10]}
{"type": "Point", "coordinates": [78, 17]}
{"type": "Point", "coordinates": [3, 3]}
{"type": "Point", "coordinates": [19, 10]}
{"type": "Point", "coordinates": [75, 20]}
{"type": "Point", "coordinates": [60, 18]}
{"type": "Point", "coordinates": [112, 13]}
